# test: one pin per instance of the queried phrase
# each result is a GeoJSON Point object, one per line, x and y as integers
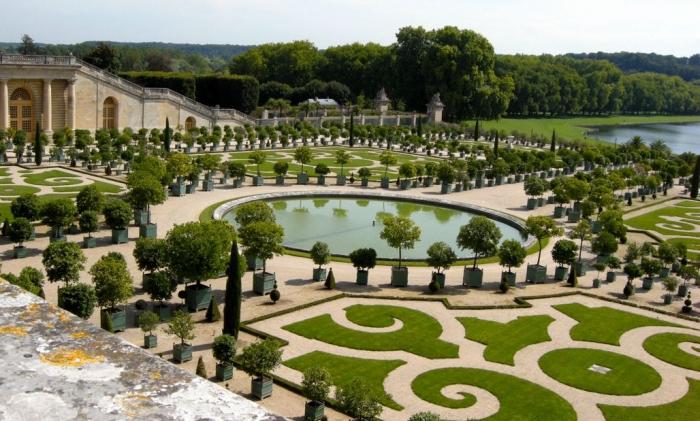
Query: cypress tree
{"type": "Point", "coordinates": [201, 368]}
{"type": "Point", "coordinates": [553, 145]}
{"type": "Point", "coordinates": [419, 127]}
{"type": "Point", "coordinates": [476, 131]}
{"type": "Point", "coordinates": [6, 227]}
{"type": "Point", "coordinates": [330, 280]}
{"type": "Point", "coordinates": [38, 149]}
{"type": "Point", "coordinates": [695, 181]}
{"type": "Point", "coordinates": [351, 141]}
{"type": "Point", "coordinates": [495, 146]}
{"type": "Point", "coordinates": [213, 314]}
{"type": "Point", "coordinates": [166, 135]}
{"type": "Point", "coordinates": [232, 299]}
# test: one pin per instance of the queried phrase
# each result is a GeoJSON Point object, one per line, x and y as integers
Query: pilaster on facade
{"type": "Point", "coordinates": [47, 123]}
{"type": "Point", "coordinates": [4, 105]}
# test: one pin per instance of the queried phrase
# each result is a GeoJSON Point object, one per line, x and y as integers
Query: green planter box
{"type": "Point", "coordinates": [440, 279]}
{"type": "Point", "coordinates": [596, 227]}
{"type": "Point", "coordinates": [664, 272]}
{"type": "Point", "coordinates": [208, 185]}
{"type": "Point", "coordinates": [89, 242]}
{"type": "Point", "coordinates": [258, 180]}
{"type": "Point", "coordinates": [489, 183]}
{"type": "Point", "coordinates": [178, 189]}
{"type": "Point", "coordinates": [364, 182]}
{"type": "Point", "coordinates": [340, 180]}
{"type": "Point", "coordinates": [263, 282]}
{"type": "Point", "coordinates": [540, 201]}
{"type": "Point", "coordinates": [319, 274]}
{"type": "Point", "coordinates": [140, 217]}
{"type": "Point", "coordinates": [531, 203]}
{"type": "Point", "coordinates": [384, 183]}
{"type": "Point", "coordinates": [197, 297]}
{"type": "Point", "coordinates": [57, 239]}
{"type": "Point", "coordinates": [473, 278]}
{"type": "Point", "coordinates": [302, 178]}
{"type": "Point", "coordinates": [321, 180]}
{"type": "Point", "coordinates": [399, 276]}
{"type": "Point", "coordinates": [182, 353]}
{"type": "Point", "coordinates": [253, 262]}
{"type": "Point", "coordinates": [537, 274]}
{"type": "Point", "coordinates": [405, 184]}
{"type": "Point", "coordinates": [647, 283]}
{"type": "Point", "coordinates": [558, 212]}
{"type": "Point", "coordinates": [279, 180]}
{"type": "Point", "coordinates": [682, 290]}
{"type": "Point", "coordinates": [445, 188]}
{"type": "Point", "coordinates": [574, 216]}
{"type": "Point", "coordinates": [362, 277]}
{"type": "Point", "coordinates": [224, 372]}
{"type": "Point", "coordinates": [580, 268]}
{"type": "Point", "coordinates": [19, 252]}
{"type": "Point", "coordinates": [458, 187]}
{"type": "Point", "coordinates": [120, 236]}
{"type": "Point", "coordinates": [668, 299]}
{"type": "Point", "coordinates": [118, 319]}
{"type": "Point", "coordinates": [223, 180]}
{"type": "Point", "coordinates": [313, 411]}
{"type": "Point", "coordinates": [560, 273]}
{"type": "Point", "coordinates": [610, 277]}
{"type": "Point", "coordinates": [191, 188]}
{"type": "Point", "coordinates": [148, 231]}
{"type": "Point", "coordinates": [261, 388]}
{"type": "Point", "coordinates": [508, 278]}
{"type": "Point", "coordinates": [427, 181]}
{"type": "Point", "coordinates": [499, 180]}
{"type": "Point", "coordinates": [150, 341]}
{"type": "Point", "coordinates": [596, 283]}
{"type": "Point", "coordinates": [237, 182]}
{"type": "Point", "coordinates": [479, 182]}
{"type": "Point", "coordinates": [163, 312]}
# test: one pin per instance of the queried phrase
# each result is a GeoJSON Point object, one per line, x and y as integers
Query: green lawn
{"type": "Point", "coordinates": [604, 324]}
{"type": "Point", "coordinates": [627, 376]}
{"type": "Point", "coordinates": [686, 408]}
{"type": "Point", "coordinates": [574, 128]}
{"type": "Point", "coordinates": [101, 186]}
{"type": "Point", "coordinates": [6, 180]}
{"type": "Point", "coordinates": [4, 172]}
{"type": "Point", "coordinates": [664, 346]}
{"type": "Point", "coordinates": [52, 178]}
{"type": "Point", "coordinates": [418, 335]}
{"type": "Point", "coordinates": [345, 369]}
{"type": "Point", "coordinates": [504, 340]}
{"type": "Point", "coordinates": [518, 399]}
{"type": "Point", "coordinates": [15, 190]}
{"type": "Point", "coordinates": [687, 212]}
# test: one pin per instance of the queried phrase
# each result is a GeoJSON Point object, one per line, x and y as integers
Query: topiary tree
{"type": "Point", "coordinates": [667, 253]}
{"type": "Point", "coordinates": [341, 158]}
{"type": "Point", "coordinates": [541, 227]}
{"type": "Point", "coordinates": [316, 385]}
{"type": "Point", "coordinates": [481, 236]}
{"type": "Point", "coordinates": [113, 283]}
{"type": "Point", "coordinates": [234, 291]}
{"type": "Point", "coordinates": [511, 254]}
{"type": "Point", "coordinates": [26, 206]}
{"type": "Point", "coordinates": [650, 267]}
{"type": "Point", "coordinates": [78, 298]}
{"type": "Point", "coordinates": [330, 280]}
{"type": "Point", "coordinates": [88, 222]}
{"type": "Point", "coordinates": [148, 321]}
{"type": "Point", "coordinates": [89, 199]}
{"type": "Point", "coordinates": [440, 256]}
{"type": "Point", "coordinates": [322, 169]}
{"type": "Point", "coordinates": [257, 211]}
{"type": "Point", "coordinates": [224, 349]}
{"type": "Point", "coordinates": [407, 170]}
{"type": "Point", "coordinates": [534, 187]}
{"type": "Point", "coordinates": [58, 214]}
{"type": "Point", "coordinates": [358, 400]}
{"type": "Point", "coordinates": [258, 158]}
{"type": "Point", "coordinates": [144, 192]}
{"type": "Point", "coordinates": [213, 314]}
{"type": "Point", "coordinates": [321, 255]}
{"type": "Point", "coordinates": [400, 233]}
{"type": "Point", "coordinates": [564, 252]}
{"type": "Point", "coordinates": [387, 159]}
{"type": "Point", "coordinates": [117, 214]}
{"type": "Point", "coordinates": [604, 244]}
{"type": "Point", "coordinates": [262, 239]}
{"type": "Point", "coordinates": [181, 326]}
{"type": "Point", "coordinates": [20, 231]}
{"type": "Point", "coordinates": [582, 232]}
{"type": "Point", "coordinates": [150, 254]}
{"type": "Point", "coordinates": [63, 262]}
{"type": "Point", "coordinates": [281, 168]}
{"type": "Point", "coordinates": [260, 358]}
{"type": "Point", "coordinates": [303, 155]}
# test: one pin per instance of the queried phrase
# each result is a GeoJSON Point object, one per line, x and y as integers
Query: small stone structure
{"type": "Point", "coordinates": [381, 102]}
{"type": "Point", "coordinates": [435, 107]}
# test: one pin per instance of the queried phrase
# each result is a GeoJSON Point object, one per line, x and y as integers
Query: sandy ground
{"type": "Point", "coordinates": [294, 273]}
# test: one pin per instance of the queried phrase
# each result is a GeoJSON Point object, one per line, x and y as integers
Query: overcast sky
{"type": "Point", "coordinates": [529, 26]}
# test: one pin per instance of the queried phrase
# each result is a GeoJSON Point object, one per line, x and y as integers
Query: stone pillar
{"type": "Point", "coordinates": [414, 119]}
{"type": "Point", "coordinates": [47, 123]}
{"type": "Point", "coordinates": [381, 119]}
{"type": "Point", "coordinates": [398, 120]}
{"type": "Point", "coordinates": [362, 119]}
{"type": "Point", "coordinates": [70, 109]}
{"type": "Point", "coordinates": [4, 105]}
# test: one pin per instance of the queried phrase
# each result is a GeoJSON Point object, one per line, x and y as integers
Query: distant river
{"type": "Point", "coordinates": [679, 137]}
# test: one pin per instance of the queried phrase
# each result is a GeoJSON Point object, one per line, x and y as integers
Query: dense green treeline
{"type": "Point", "coordinates": [686, 67]}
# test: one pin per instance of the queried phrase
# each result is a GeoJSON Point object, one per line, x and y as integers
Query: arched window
{"type": "Point", "coordinates": [21, 110]}
{"type": "Point", "coordinates": [190, 123]}
{"type": "Point", "coordinates": [109, 114]}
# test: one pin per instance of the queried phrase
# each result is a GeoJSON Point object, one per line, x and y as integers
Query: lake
{"type": "Point", "coordinates": [679, 137]}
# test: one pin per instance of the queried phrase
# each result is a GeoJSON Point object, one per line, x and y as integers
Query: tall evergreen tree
{"type": "Point", "coordinates": [232, 298]}
{"type": "Point", "coordinates": [553, 145]}
{"type": "Point", "coordinates": [495, 146]}
{"type": "Point", "coordinates": [476, 131]}
{"type": "Point", "coordinates": [166, 135]}
{"type": "Point", "coordinates": [695, 181]}
{"type": "Point", "coordinates": [419, 127]}
{"type": "Point", "coordinates": [38, 147]}
{"type": "Point", "coordinates": [351, 141]}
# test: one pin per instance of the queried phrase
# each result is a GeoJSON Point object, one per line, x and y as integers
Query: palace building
{"type": "Point", "coordinates": [64, 91]}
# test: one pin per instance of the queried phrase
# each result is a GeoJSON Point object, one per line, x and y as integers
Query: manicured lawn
{"type": "Point", "coordinates": [575, 127]}
{"type": "Point", "coordinates": [688, 212]}
{"type": "Point", "coordinates": [604, 324]}
{"type": "Point", "coordinates": [664, 346]}
{"type": "Point", "coordinates": [418, 335]}
{"type": "Point", "coordinates": [52, 178]}
{"type": "Point", "coordinates": [101, 186]}
{"type": "Point", "coordinates": [15, 190]}
{"type": "Point", "coordinates": [345, 369]}
{"type": "Point", "coordinates": [504, 340]}
{"type": "Point", "coordinates": [518, 399]}
{"type": "Point", "coordinates": [627, 376]}
{"type": "Point", "coordinates": [6, 180]}
{"type": "Point", "coordinates": [686, 408]}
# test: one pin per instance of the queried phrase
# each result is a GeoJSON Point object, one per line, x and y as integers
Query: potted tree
{"type": "Point", "coordinates": [321, 171]}
{"type": "Point", "coordinates": [481, 236]}
{"type": "Point", "coordinates": [407, 171]}
{"type": "Point", "coordinates": [236, 170]}
{"type": "Point", "coordinates": [259, 359]}
{"type": "Point", "coordinates": [210, 163]}
{"type": "Point", "coordinates": [148, 321]}
{"type": "Point", "coordinates": [430, 168]}
{"type": "Point", "coordinates": [58, 214]}
{"type": "Point", "coordinates": [196, 252]}
{"type": "Point", "coordinates": [149, 254]}
{"type": "Point", "coordinates": [363, 259]}
{"type": "Point", "coordinates": [144, 191]}
{"type": "Point", "coordinates": [539, 227]}
{"type": "Point", "coordinates": [650, 267]}
{"type": "Point", "coordinates": [315, 386]}
{"type": "Point", "coordinates": [386, 159]}
{"type": "Point", "coordinates": [364, 174]}
{"type": "Point", "coordinates": [117, 215]}
{"type": "Point", "coordinates": [253, 212]}
{"type": "Point", "coordinates": [63, 262]}
{"type": "Point", "coordinates": [401, 233]}
{"type": "Point", "coordinates": [224, 350]}
{"type": "Point", "coordinates": [341, 158]}
{"type": "Point", "coordinates": [582, 232]}
{"type": "Point", "coordinates": [178, 165]}
{"type": "Point", "coordinates": [613, 263]}
{"type": "Point", "coordinates": [440, 257]}
{"type": "Point", "coordinates": [632, 271]}
{"type": "Point", "coordinates": [303, 155]}
{"type": "Point", "coordinates": [182, 326]}
{"type": "Point", "coordinates": [511, 254]}
{"type": "Point", "coordinates": [563, 253]}
{"type": "Point", "coordinates": [113, 286]}
{"type": "Point", "coordinates": [534, 187]}
{"type": "Point", "coordinates": [88, 222]}
{"type": "Point", "coordinates": [604, 245]}
{"type": "Point", "coordinates": [20, 231]}
{"type": "Point", "coordinates": [78, 298]}
{"type": "Point", "coordinates": [446, 175]}
{"type": "Point", "coordinates": [258, 158]}
{"type": "Point", "coordinates": [687, 272]}
{"type": "Point", "coordinates": [670, 285]}
{"type": "Point", "coordinates": [321, 255]}
{"type": "Point", "coordinates": [281, 168]}
{"type": "Point", "coordinates": [262, 239]}
{"type": "Point", "coordinates": [667, 254]}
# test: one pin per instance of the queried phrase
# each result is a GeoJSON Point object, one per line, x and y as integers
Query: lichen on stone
{"type": "Point", "coordinates": [13, 330]}
{"type": "Point", "coordinates": [65, 357]}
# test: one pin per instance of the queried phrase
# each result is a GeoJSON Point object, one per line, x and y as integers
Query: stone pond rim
{"type": "Point", "coordinates": [499, 216]}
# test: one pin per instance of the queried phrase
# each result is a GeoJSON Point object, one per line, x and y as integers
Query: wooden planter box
{"type": "Point", "coordinates": [319, 274]}
{"type": "Point", "coordinates": [682, 290]}
{"type": "Point", "coordinates": [405, 184]}
{"type": "Point", "coordinates": [178, 189]}
{"type": "Point", "coordinates": [668, 298]}
{"type": "Point", "coordinates": [163, 312]}
{"type": "Point", "coordinates": [321, 180]}
{"type": "Point", "coordinates": [263, 282]}
{"type": "Point", "coordinates": [384, 183]}
{"type": "Point", "coordinates": [89, 242]}
{"type": "Point", "coordinates": [558, 211]}
{"type": "Point", "coordinates": [118, 319]}
{"type": "Point", "coordinates": [258, 180]}
{"type": "Point", "coordinates": [148, 231]}
{"type": "Point", "coordinates": [364, 182]}
{"type": "Point", "coordinates": [253, 262]}
{"type": "Point", "coordinates": [340, 180]}
{"type": "Point", "coordinates": [540, 201]}
{"type": "Point", "coordinates": [399, 276]}
{"type": "Point", "coordinates": [120, 236]}
{"type": "Point", "coordinates": [150, 341]}
{"type": "Point", "coordinates": [362, 277]}
{"type": "Point", "coordinates": [472, 278]}
{"type": "Point", "coordinates": [610, 277]}
{"type": "Point", "coordinates": [560, 273]}
{"type": "Point", "coordinates": [536, 274]}
{"type": "Point", "coordinates": [224, 372]}
{"type": "Point", "coordinates": [313, 410]}
{"type": "Point", "coordinates": [580, 268]}
{"type": "Point", "coordinates": [261, 388]}
{"type": "Point", "coordinates": [440, 279]}
{"type": "Point", "coordinates": [508, 278]}
{"type": "Point", "coordinates": [182, 353]}
{"type": "Point", "coordinates": [279, 180]}
{"type": "Point", "coordinates": [428, 181]}
{"type": "Point", "coordinates": [574, 216]}
{"type": "Point", "coordinates": [302, 178]}
{"type": "Point", "coordinates": [140, 217]}
{"type": "Point", "coordinates": [197, 297]}
{"type": "Point", "coordinates": [531, 203]}
{"type": "Point", "coordinates": [445, 188]}
{"type": "Point", "coordinates": [208, 185]}
{"type": "Point", "coordinates": [647, 283]}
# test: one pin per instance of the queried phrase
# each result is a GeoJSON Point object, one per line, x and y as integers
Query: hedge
{"type": "Point", "coordinates": [179, 82]}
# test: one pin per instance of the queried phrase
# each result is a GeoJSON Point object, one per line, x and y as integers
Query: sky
{"type": "Point", "coordinates": [527, 27]}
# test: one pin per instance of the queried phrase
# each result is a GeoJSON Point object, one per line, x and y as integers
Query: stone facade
{"type": "Point", "coordinates": [59, 92]}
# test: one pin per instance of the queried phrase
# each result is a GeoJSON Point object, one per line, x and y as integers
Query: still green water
{"type": "Point", "coordinates": [346, 224]}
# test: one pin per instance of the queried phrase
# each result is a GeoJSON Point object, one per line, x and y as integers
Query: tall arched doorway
{"type": "Point", "coordinates": [21, 117]}
{"type": "Point", "coordinates": [190, 124]}
{"type": "Point", "coordinates": [109, 114]}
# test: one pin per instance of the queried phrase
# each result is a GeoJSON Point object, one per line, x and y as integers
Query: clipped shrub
{"type": "Point", "coordinates": [213, 313]}
{"type": "Point", "coordinates": [330, 280]}
{"type": "Point", "coordinates": [201, 368]}
{"type": "Point", "coordinates": [224, 349]}
{"type": "Point", "coordinates": [425, 416]}
{"type": "Point", "coordinates": [79, 299]}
